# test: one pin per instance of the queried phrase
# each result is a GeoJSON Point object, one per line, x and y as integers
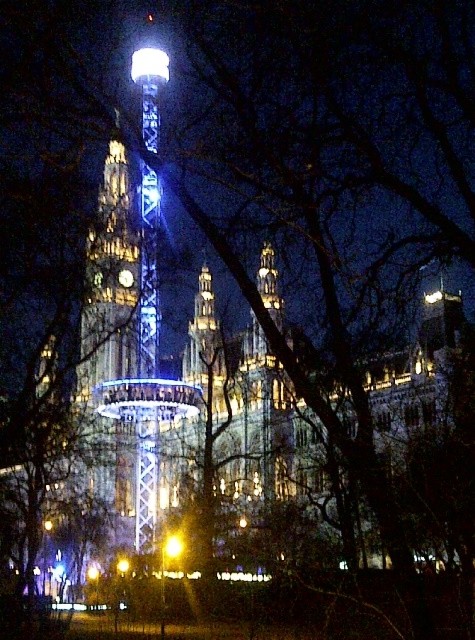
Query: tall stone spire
{"type": "Point", "coordinates": [267, 279]}
{"type": "Point", "coordinates": [203, 330]}
{"type": "Point", "coordinates": [204, 302]}
{"type": "Point", "coordinates": [112, 289]}
{"type": "Point", "coordinates": [267, 285]}
{"type": "Point", "coordinates": [115, 191]}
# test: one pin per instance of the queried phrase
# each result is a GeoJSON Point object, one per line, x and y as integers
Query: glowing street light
{"type": "Point", "coordinates": [48, 527]}
{"type": "Point", "coordinates": [93, 573]}
{"type": "Point", "coordinates": [93, 576]}
{"type": "Point", "coordinates": [171, 547]}
{"type": "Point", "coordinates": [123, 566]}
{"type": "Point", "coordinates": [243, 522]}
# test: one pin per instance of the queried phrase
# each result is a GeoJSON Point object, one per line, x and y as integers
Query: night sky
{"type": "Point", "coordinates": [104, 37]}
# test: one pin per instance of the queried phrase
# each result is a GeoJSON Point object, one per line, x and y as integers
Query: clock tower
{"type": "Point", "coordinates": [109, 323]}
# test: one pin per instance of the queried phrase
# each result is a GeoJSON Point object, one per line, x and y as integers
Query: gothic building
{"type": "Point", "coordinates": [127, 412]}
{"type": "Point", "coordinates": [145, 438]}
{"type": "Point", "coordinates": [266, 446]}
{"type": "Point", "coordinates": [248, 388]}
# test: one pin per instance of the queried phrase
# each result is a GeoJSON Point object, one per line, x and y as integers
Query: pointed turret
{"type": "Point", "coordinates": [267, 277]}
{"type": "Point", "coordinates": [115, 192]}
{"type": "Point", "coordinates": [267, 285]}
{"type": "Point", "coordinates": [204, 302]}
{"type": "Point", "coordinates": [443, 321]}
{"type": "Point", "coordinates": [203, 331]}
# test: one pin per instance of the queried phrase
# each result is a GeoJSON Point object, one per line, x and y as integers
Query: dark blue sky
{"type": "Point", "coordinates": [105, 37]}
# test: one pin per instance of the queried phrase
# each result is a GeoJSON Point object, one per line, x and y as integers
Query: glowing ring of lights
{"type": "Point", "coordinates": [146, 397]}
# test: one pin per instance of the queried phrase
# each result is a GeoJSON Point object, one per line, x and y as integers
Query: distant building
{"type": "Point", "coordinates": [270, 449]}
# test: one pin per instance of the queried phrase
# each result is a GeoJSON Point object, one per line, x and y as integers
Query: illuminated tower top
{"type": "Point", "coordinates": [443, 321]}
{"type": "Point", "coordinates": [267, 278]}
{"type": "Point", "coordinates": [150, 63]}
{"type": "Point", "coordinates": [204, 302]}
{"type": "Point", "coordinates": [150, 71]}
{"type": "Point", "coordinates": [108, 319]}
{"type": "Point", "coordinates": [267, 285]}
{"type": "Point", "coordinates": [116, 176]}
{"type": "Point", "coordinates": [205, 337]}
{"type": "Point", "coordinates": [119, 235]}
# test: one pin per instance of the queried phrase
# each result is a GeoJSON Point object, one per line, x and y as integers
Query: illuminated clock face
{"type": "Point", "coordinates": [126, 278]}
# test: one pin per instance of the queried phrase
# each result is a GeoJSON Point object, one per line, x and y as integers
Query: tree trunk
{"type": "Point", "coordinates": [359, 453]}
{"type": "Point", "coordinates": [408, 583]}
{"type": "Point", "coordinates": [468, 592]}
{"type": "Point", "coordinates": [344, 512]}
{"type": "Point", "coordinates": [207, 507]}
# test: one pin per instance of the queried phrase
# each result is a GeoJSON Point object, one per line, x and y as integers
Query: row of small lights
{"type": "Point", "coordinates": [235, 576]}
{"type": "Point", "coordinates": [225, 576]}
{"type": "Point", "coordinates": [174, 548]}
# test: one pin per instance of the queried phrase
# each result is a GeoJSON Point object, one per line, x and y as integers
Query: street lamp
{"type": "Point", "coordinates": [47, 526]}
{"type": "Point", "coordinates": [93, 576]}
{"type": "Point", "coordinates": [171, 547]}
{"type": "Point", "coordinates": [93, 573]}
{"type": "Point", "coordinates": [123, 566]}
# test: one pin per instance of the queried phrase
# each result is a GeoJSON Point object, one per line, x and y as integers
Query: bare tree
{"type": "Point", "coordinates": [47, 440]}
{"type": "Point", "coordinates": [310, 122]}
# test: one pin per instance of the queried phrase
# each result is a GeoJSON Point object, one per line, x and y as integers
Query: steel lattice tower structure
{"type": "Point", "coordinates": [149, 399]}
{"type": "Point", "coordinates": [150, 72]}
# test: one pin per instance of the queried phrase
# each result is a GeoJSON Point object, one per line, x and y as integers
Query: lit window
{"type": "Point", "coordinates": [164, 498]}
{"type": "Point", "coordinates": [281, 479]}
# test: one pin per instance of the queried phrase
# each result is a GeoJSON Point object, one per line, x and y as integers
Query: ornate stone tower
{"type": "Point", "coordinates": [203, 332]}
{"type": "Point", "coordinates": [267, 285]}
{"type": "Point", "coordinates": [256, 347]}
{"type": "Point", "coordinates": [131, 411]}
{"type": "Point", "coordinates": [264, 388]}
{"type": "Point", "coordinates": [109, 326]}
{"type": "Point", "coordinates": [109, 331]}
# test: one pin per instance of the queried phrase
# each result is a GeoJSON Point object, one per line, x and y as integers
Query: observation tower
{"type": "Point", "coordinates": [150, 72]}
{"type": "Point", "coordinates": [152, 400]}
{"type": "Point", "coordinates": [141, 404]}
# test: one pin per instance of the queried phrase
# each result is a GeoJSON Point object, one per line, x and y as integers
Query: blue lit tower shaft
{"type": "Point", "coordinates": [150, 71]}
{"type": "Point", "coordinates": [150, 209]}
{"type": "Point", "coordinates": [151, 192]}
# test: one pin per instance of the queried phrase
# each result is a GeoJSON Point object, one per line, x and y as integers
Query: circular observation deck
{"type": "Point", "coordinates": [147, 399]}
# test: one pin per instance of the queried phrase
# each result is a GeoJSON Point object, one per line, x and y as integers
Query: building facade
{"type": "Point", "coordinates": [267, 449]}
